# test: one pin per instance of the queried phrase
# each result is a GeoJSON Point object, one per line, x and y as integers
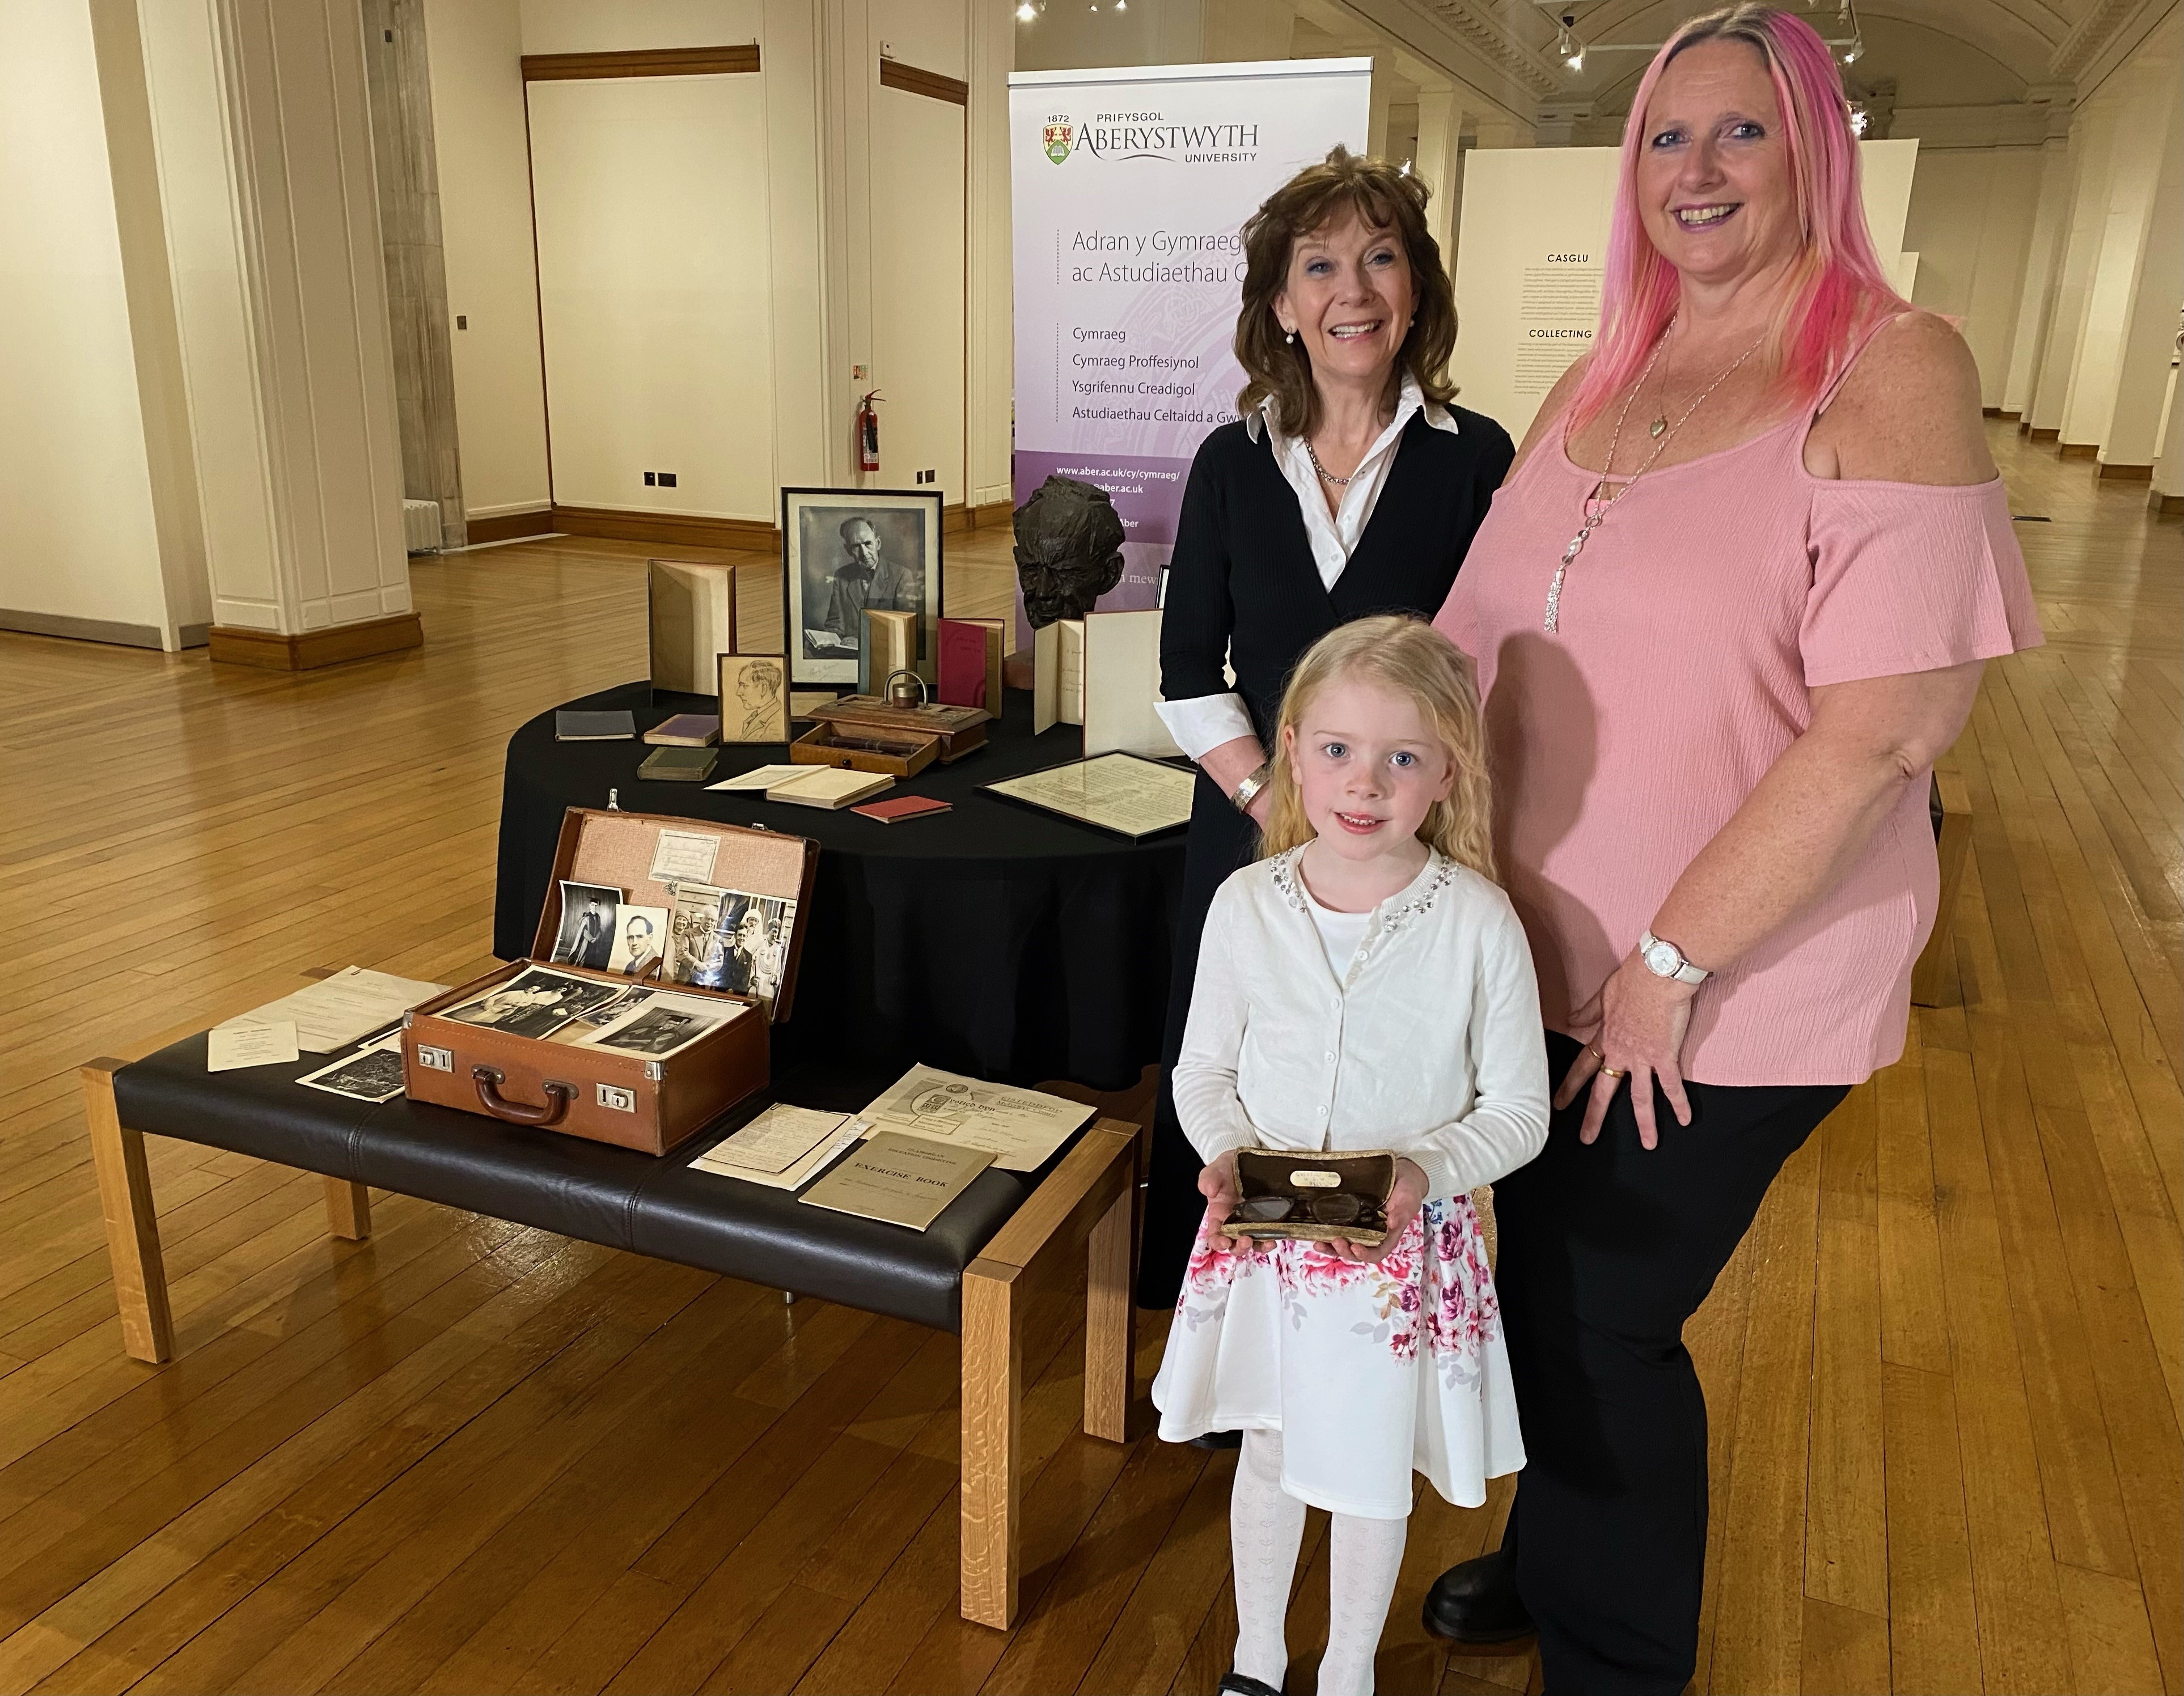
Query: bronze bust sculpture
{"type": "Point", "coordinates": [1069, 549]}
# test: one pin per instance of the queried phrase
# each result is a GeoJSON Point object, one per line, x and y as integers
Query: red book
{"type": "Point", "coordinates": [962, 681]}
{"type": "Point", "coordinates": [900, 807]}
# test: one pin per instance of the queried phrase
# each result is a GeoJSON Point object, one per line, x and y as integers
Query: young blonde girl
{"type": "Point", "coordinates": [1364, 985]}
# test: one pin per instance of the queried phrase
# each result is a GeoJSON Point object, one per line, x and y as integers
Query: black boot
{"type": "Point", "coordinates": [1476, 1602]}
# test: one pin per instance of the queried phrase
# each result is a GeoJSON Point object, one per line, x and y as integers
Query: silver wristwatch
{"type": "Point", "coordinates": [1247, 791]}
{"type": "Point", "coordinates": [1666, 959]}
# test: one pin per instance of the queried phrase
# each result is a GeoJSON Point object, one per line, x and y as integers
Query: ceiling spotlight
{"type": "Point", "coordinates": [1024, 13]}
{"type": "Point", "coordinates": [1859, 120]}
{"type": "Point", "coordinates": [1121, 5]}
{"type": "Point", "coordinates": [1568, 48]}
{"type": "Point", "coordinates": [1853, 53]}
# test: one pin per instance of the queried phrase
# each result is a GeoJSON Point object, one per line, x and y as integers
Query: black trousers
{"type": "Point", "coordinates": [1221, 840]}
{"type": "Point", "coordinates": [1604, 1252]}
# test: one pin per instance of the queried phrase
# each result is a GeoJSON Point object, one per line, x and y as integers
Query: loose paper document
{"type": "Point", "coordinates": [801, 1171]}
{"type": "Point", "coordinates": [902, 1180]}
{"type": "Point", "coordinates": [228, 1046]}
{"type": "Point", "coordinates": [685, 854]}
{"type": "Point", "coordinates": [777, 1139]}
{"type": "Point", "coordinates": [1021, 1128]}
{"type": "Point", "coordinates": [1117, 792]}
{"type": "Point", "coordinates": [761, 777]}
{"type": "Point", "coordinates": [338, 1010]}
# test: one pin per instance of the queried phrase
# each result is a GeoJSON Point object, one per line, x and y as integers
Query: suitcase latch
{"type": "Point", "coordinates": [622, 1100]}
{"type": "Point", "coordinates": [434, 1059]}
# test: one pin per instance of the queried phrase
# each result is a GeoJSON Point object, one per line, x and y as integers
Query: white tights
{"type": "Point", "coordinates": [1266, 1526]}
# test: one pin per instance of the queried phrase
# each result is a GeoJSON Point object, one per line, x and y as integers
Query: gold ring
{"type": "Point", "coordinates": [1593, 1050]}
{"type": "Point", "coordinates": [1607, 1070]}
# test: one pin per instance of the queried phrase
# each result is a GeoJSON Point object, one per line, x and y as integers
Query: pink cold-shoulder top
{"type": "Point", "coordinates": [1692, 630]}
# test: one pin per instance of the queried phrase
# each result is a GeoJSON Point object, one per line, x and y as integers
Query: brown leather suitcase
{"type": "Point", "coordinates": [600, 1093]}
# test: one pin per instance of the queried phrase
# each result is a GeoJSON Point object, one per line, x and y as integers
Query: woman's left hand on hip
{"type": "Point", "coordinates": [1404, 1202]}
{"type": "Point", "coordinates": [1638, 1022]}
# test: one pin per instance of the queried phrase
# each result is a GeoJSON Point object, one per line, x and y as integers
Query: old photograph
{"type": "Point", "coordinates": [640, 940]}
{"type": "Point", "coordinates": [662, 1028]}
{"type": "Point", "coordinates": [587, 936]}
{"type": "Point", "coordinates": [754, 698]}
{"type": "Point", "coordinates": [749, 949]}
{"type": "Point", "coordinates": [534, 1003]}
{"type": "Point", "coordinates": [848, 552]}
{"type": "Point", "coordinates": [372, 1073]}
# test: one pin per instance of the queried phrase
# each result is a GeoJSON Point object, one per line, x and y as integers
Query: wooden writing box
{"type": "Point", "coordinates": [961, 730]}
{"type": "Point", "coordinates": [865, 748]}
{"type": "Point", "coordinates": [603, 1094]}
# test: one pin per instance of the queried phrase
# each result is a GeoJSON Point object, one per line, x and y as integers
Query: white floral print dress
{"type": "Point", "coordinates": [1430, 1045]}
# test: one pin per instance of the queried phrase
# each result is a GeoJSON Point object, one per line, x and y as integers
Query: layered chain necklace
{"type": "Point", "coordinates": [1663, 432]}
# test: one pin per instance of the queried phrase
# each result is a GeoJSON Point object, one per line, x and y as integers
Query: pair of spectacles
{"type": "Point", "coordinates": [1336, 1209]}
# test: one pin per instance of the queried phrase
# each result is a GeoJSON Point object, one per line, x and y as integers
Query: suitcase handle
{"type": "Point", "coordinates": [558, 1098]}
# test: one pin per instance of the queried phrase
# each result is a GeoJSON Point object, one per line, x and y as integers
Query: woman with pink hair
{"type": "Point", "coordinates": [1731, 603]}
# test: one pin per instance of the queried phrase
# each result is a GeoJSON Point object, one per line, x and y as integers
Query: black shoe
{"type": "Point", "coordinates": [1235, 1684]}
{"type": "Point", "coordinates": [1222, 1439]}
{"type": "Point", "coordinates": [1477, 1602]}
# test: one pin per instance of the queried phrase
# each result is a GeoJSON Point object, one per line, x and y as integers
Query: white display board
{"type": "Point", "coordinates": [1534, 247]}
{"type": "Point", "coordinates": [1130, 190]}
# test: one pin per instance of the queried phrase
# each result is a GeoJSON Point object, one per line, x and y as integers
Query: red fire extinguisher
{"type": "Point", "coordinates": [868, 432]}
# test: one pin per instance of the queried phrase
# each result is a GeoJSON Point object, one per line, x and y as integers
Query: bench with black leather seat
{"type": "Point", "coordinates": [971, 1271]}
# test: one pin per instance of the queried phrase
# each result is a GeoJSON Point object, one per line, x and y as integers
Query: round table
{"type": "Point", "coordinates": [995, 940]}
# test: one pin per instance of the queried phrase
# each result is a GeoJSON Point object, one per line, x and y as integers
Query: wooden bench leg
{"type": "Point", "coordinates": [348, 1208]}
{"type": "Point", "coordinates": [993, 1440]}
{"type": "Point", "coordinates": [132, 1229]}
{"type": "Point", "coordinates": [1111, 1316]}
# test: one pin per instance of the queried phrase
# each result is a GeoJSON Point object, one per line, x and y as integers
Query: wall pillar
{"type": "Point", "coordinates": [1441, 165]}
{"type": "Point", "coordinates": [989, 280]}
{"type": "Point", "coordinates": [2168, 498]}
{"type": "Point", "coordinates": [2123, 220]}
{"type": "Point", "coordinates": [2036, 299]}
{"type": "Point", "coordinates": [264, 145]}
{"type": "Point", "coordinates": [2091, 140]}
{"type": "Point", "coordinates": [2148, 321]}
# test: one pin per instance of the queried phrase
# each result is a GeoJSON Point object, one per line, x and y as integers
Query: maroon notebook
{"type": "Point", "coordinates": [962, 664]}
{"type": "Point", "coordinates": [900, 807]}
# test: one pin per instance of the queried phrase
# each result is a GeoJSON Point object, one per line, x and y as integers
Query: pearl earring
{"type": "Point", "coordinates": [1289, 336]}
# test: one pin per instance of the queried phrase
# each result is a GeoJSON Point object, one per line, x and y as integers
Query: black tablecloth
{"type": "Point", "coordinates": [995, 940]}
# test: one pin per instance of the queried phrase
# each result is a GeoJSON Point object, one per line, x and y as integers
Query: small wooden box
{"type": "Point", "coordinates": [961, 730]}
{"type": "Point", "coordinates": [603, 1094]}
{"type": "Point", "coordinates": [865, 748]}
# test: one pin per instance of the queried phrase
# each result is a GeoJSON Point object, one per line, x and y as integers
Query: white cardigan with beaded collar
{"type": "Point", "coordinates": [1430, 1045]}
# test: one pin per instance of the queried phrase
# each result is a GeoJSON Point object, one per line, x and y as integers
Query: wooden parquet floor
{"type": "Point", "coordinates": [1944, 1370]}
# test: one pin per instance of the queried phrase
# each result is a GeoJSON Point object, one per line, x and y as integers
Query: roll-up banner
{"type": "Point", "coordinates": [1130, 190]}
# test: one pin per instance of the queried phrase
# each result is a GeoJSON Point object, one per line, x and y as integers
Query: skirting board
{"type": "Point", "coordinates": [2128, 474]}
{"type": "Point", "coordinates": [2039, 435]}
{"type": "Point", "coordinates": [2074, 450]}
{"type": "Point", "coordinates": [2004, 412]}
{"type": "Point", "coordinates": [271, 651]}
{"type": "Point", "coordinates": [509, 526]}
{"type": "Point", "coordinates": [675, 530]}
{"type": "Point", "coordinates": [2167, 506]}
{"type": "Point", "coordinates": [97, 630]}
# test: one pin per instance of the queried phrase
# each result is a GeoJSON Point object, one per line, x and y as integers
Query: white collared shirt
{"type": "Point", "coordinates": [1204, 722]}
{"type": "Point", "coordinates": [1427, 1043]}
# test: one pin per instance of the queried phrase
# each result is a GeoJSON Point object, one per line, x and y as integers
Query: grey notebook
{"type": "Point", "coordinates": [571, 726]}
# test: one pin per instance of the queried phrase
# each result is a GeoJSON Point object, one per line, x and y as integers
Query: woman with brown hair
{"type": "Point", "coordinates": [1350, 486]}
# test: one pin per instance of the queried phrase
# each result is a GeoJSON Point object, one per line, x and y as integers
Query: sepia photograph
{"type": "Point", "coordinates": [846, 552]}
{"type": "Point", "coordinates": [659, 1031]}
{"type": "Point", "coordinates": [587, 936]}
{"type": "Point", "coordinates": [371, 1073]}
{"type": "Point", "coordinates": [640, 940]}
{"type": "Point", "coordinates": [533, 1003]}
{"type": "Point", "coordinates": [748, 949]}
{"type": "Point", "coordinates": [754, 698]}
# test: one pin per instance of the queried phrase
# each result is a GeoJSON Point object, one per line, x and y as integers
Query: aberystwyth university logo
{"type": "Point", "coordinates": [1060, 134]}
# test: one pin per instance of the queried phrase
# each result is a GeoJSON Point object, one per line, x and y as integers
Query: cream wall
{"type": "Point", "coordinates": [485, 220]}
{"type": "Point", "coordinates": [75, 486]}
{"type": "Point", "coordinates": [1970, 222]}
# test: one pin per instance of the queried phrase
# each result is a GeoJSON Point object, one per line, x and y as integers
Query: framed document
{"type": "Point", "coordinates": [848, 552]}
{"type": "Point", "coordinates": [1120, 792]}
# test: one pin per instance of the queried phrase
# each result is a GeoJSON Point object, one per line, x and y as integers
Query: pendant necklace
{"type": "Point", "coordinates": [1596, 508]}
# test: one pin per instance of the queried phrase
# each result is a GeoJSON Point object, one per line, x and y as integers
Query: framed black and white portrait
{"type": "Point", "coordinates": [848, 552]}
